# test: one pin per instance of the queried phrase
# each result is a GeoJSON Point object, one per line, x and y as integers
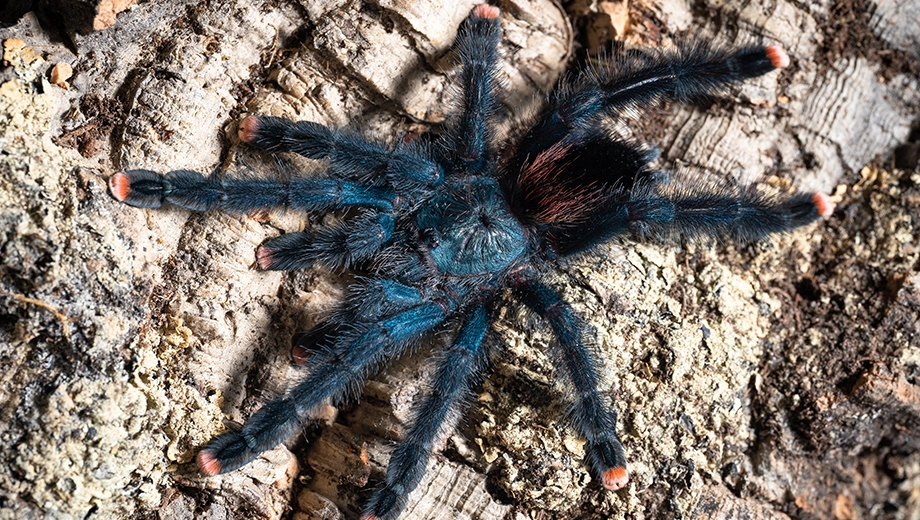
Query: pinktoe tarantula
{"type": "Point", "coordinates": [445, 227]}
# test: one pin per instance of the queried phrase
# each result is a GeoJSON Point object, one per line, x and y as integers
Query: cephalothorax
{"type": "Point", "coordinates": [444, 228]}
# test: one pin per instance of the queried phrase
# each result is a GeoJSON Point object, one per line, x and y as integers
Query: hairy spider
{"type": "Point", "coordinates": [446, 227]}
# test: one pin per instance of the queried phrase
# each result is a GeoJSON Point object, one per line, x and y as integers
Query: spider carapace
{"type": "Point", "coordinates": [442, 228]}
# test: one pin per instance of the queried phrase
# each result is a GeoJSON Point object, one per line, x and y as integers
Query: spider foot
{"type": "Point", "coordinates": [615, 478]}
{"type": "Point", "coordinates": [224, 453]}
{"type": "Point", "coordinates": [264, 258]}
{"type": "Point", "coordinates": [386, 503]}
{"type": "Point", "coordinates": [609, 461]}
{"type": "Point", "coordinates": [305, 345]}
{"type": "Point", "coordinates": [267, 133]}
{"type": "Point", "coordinates": [267, 428]}
{"type": "Point", "coordinates": [277, 134]}
{"type": "Point", "coordinates": [823, 204]}
{"type": "Point", "coordinates": [486, 11]}
{"type": "Point", "coordinates": [148, 189]}
{"type": "Point", "coordinates": [778, 57]}
{"type": "Point", "coordinates": [249, 129]}
{"type": "Point", "coordinates": [286, 252]}
{"type": "Point", "coordinates": [138, 188]}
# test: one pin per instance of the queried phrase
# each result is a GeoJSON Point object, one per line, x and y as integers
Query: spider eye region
{"type": "Point", "coordinates": [476, 231]}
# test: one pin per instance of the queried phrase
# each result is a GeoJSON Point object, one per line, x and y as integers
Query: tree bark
{"type": "Point", "coordinates": [776, 380]}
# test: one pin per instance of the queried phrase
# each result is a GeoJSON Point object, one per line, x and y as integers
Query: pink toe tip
{"type": "Point", "coordinates": [120, 186]}
{"type": "Point", "coordinates": [486, 11]}
{"type": "Point", "coordinates": [615, 478]}
{"type": "Point", "coordinates": [248, 129]}
{"type": "Point", "coordinates": [208, 463]}
{"type": "Point", "coordinates": [823, 204]}
{"type": "Point", "coordinates": [778, 57]}
{"type": "Point", "coordinates": [264, 258]}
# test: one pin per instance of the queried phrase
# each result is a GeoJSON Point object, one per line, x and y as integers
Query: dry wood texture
{"type": "Point", "coordinates": [776, 381]}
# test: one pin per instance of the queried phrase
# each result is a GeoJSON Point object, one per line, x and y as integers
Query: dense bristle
{"type": "Point", "coordinates": [249, 127]}
{"type": "Point", "coordinates": [489, 12]}
{"type": "Point", "coordinates": [823, 204]}
{"type": "Point", "coordinates": [615, 478]}
{"type": "Point", "coordinates": [120, 186]}
{"type": "Point", "coordinates": [208, 463]}
{"type": "Point", "coordinates": [573, 187]}
{"type": "Point", "coordinates": [549, 191]}
{"type": "Point", "coordinates": [778, 57]}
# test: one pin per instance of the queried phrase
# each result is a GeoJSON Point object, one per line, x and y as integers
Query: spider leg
{"type": "Point", "coordinates": [381, 297]}
{"type": "Point", "coordinates": [194, 191]}
{"type": "Point", "coordinates": [477, 45]}
{"type": "Point", "coordinates": [450, 384]}
{"type": "Point", "coordinates": [344, 244]}
{"type": "Point", "coordinates": [712, 211]}
{"type": "Point", "coordinates": [571, 124]}
{"type": "Point", "coordinates": [369, 301]}
{"type": "Point", "coordinates": [691, 72]}
{"type": "Point", "coordinates": [349, 156]}
{"type": "Point", "coordinates": [590, 415]}
{"type": "Point", "coordinates": [572, 171]}
{"type": "Point", "coordinates": [334, 375]}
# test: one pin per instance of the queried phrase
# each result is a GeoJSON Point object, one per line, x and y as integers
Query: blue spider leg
{"type": "Point", "coordinates": [194, 191]}
{"type": "Point", "coordinates": [590, 415]}
{"type": "Point", "coordinates": [451, 383]}
{"type": "Point", "coordinates": [378, 297]}
{"type": "Point", "coordinates": [334, 375]}
{"type": "Point", "coordinates": [477, 46]}
{"type": "Point", "coordinates": [697, 210]}
{"type": "Point", "coordinates": [368, 301]}
{"type": "Point", "coordinates": [691, 72]}
{"type": "Point", "coordinates": [349, 156]}
{"type": "Point", "coordinates": [712, 211]}
{"type": "Point", "coordinates": [342, 245]}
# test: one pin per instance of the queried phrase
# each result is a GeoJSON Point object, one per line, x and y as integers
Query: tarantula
{"type": "Point", "coordinates": [445, 227]}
